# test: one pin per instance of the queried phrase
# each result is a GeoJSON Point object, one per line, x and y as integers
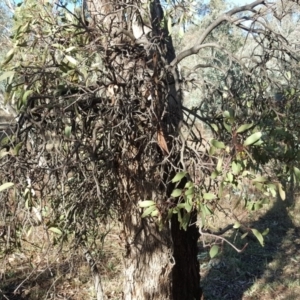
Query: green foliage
{"type": "Point", "coordinates": [5, 31]}
{"type": "Point", "coordinates": [214, 250]}
{"type": "Point", "coordinates": [252, 139]}
{"type": "Point", "coordinates": [251, 135]}
{"type": "Point", "coordinates": [179, 176]}
{"type": "Point", "coordinates": [61, 52]}
{"type": "Point", "coordinates": [6, 185]}
{"type": "Point", "coordinates": [259, 236]}
{"type": "Point", "coordinates": [237, 166]}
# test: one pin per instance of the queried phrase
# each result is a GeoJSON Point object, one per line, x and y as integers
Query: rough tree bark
{"type": "Point", "coordinates": [159, 264]}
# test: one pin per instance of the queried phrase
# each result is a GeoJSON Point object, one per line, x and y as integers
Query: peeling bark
{"type": "Point", "coordinates": [148, 261]}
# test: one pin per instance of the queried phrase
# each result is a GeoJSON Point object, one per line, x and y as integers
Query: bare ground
{"type": "Point", "coordinates": [269, 272]}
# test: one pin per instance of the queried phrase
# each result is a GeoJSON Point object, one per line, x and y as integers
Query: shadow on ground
{"type": "Point", "coordinates": [269, 272]}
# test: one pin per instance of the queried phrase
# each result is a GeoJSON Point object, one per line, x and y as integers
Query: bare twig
{"type": "Point", "coordinates": [222, 239]}
{"type": "Point", "coordinates": [226, 17]}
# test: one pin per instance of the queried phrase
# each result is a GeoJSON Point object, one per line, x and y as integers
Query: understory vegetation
{"type": "Point", "coordinates": [268, 272]}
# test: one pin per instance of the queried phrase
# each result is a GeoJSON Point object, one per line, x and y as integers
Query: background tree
{"type": "Point", "coordinates": [102, 127]}
{"type": "Point", "coordinates": [5, 29]}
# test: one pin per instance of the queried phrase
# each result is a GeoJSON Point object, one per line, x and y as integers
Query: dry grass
{"type": "Point", "coordinates": [44, 271]}
{"type": "Point", "coordinates": [270, 272]}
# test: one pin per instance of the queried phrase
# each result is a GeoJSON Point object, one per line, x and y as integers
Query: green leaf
{"type": "Point", "coordinates": [25, 96]}
{"type": "Point", "coordinates": [214, 250]}
{"type": "Point", "coordinates": [179, 176]}
{"type": "Point", "coordinates": [227, 127]}
{"type": "Point", "coordinates": [189, 184]}
{"type": "Point", "coordinates": [8, 59]}
{"type": "Point", "coordinates": [6, 185]}
{"type": "Point", "coordinates": [25, 27]}
{"type": "Point", "coordinates": [185, 220]}
{"type": "Point", "coordinates": [64, 68]}
{"type": "Point", "coordinates": [297, 173]}
{"type": "Point", "coordinates": [236, 225]}
{"type": "Point", "coordinates": [257, 206]}
{"type": "Point", "coordinates": [69, 17]}
{"type": "Point", "coordinates": [227, 114]}
{"type": "Point", "coordinates": [236, 167]}
{"type": "Point", "coordinates": [190, 191]}
{"type": "Point", "coordinates": [250, 205]}
{"type": "Point", "coordinates": [72, 60]}
{"type": "Point", "coordinates": [68, 130]}
{"type": "Point", "coordinates": [229, 177]}
{"type": "Point", "coordinates": [209, 196]}
{"type": "Point", "coordinates": [215, 127]}
{"type": "Point", "coordinates": [265, 232]}
{"type": "Point", "coordinates": [17, 148]}
{"type": "Point", "coordinates": [148, 211]}
{"type": "Point", "coordinates": [171, 212]}
{"type": "Point", "coordinates": [258, 236]}
{"type": "Point", "coordinates": [260, 179]}
{"type": "Point", "coordinates": [179, 216]}
{"type": "Point", "coordinates": [58, 46]}
{"type": "Point", "coordinates": [155, 213]}
{"type": "Point", "coordinates": [176, 193]}
{"type": "Point", "coordinates": [205, 210]}
{"type": "Point", "coordinates": [27, 190]}
{"type": "Point", "coordinates": [244, 235]}
{"type": "Point", "coordinates": [281, 191]}
{"type": "Point", "coordinates": [5, 141]}
{"type": "Point", "coordinates": [252, 138]}
{"type": "Point", "coordinates": [258, 143]}
{"type": "Point", "coordinates": [146, 203]}
{"type": "Point", "coordinates": [188, 207]}
{"type": "Point", "coordinates": [259, 186]}
{"type": "Point", "coordinates": [244, 127]}
{"type": "Point", "coordinates": [219, 164]}
{"type": "Point", "coordinates": [181, 32]}
{"type": "Point", "coordinates": [292, 91]}
{"type": "Point", "coordinates": [170, 24]}
{"type": "Point", "coordinates": [7, 74]}
{"type": "Point", "coordinates": [70, 49]}
{"type": "Point", "coordinates": [10, 52]}
{"type": "Point", "coordinates": [214, 174]}
{"type": "Point", "coordinates": [3, 153]}
{"type": "Point", "coordinates": [212, 150]}
{"type": "Point", "coordinates": [29, 231]}
{"type": "Point", "coordinates": [55, 230]}
{"type": "Point", "coordinates": [217, 144]}
{"type": "Point", "coordinates": [179, 206]}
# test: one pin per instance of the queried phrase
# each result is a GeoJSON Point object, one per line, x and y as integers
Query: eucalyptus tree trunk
{"type": "Point", "coordinates": [160, 261]}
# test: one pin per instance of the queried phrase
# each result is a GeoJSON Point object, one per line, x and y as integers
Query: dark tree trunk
{"type": "Point", "coordinates": [185, 273]}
